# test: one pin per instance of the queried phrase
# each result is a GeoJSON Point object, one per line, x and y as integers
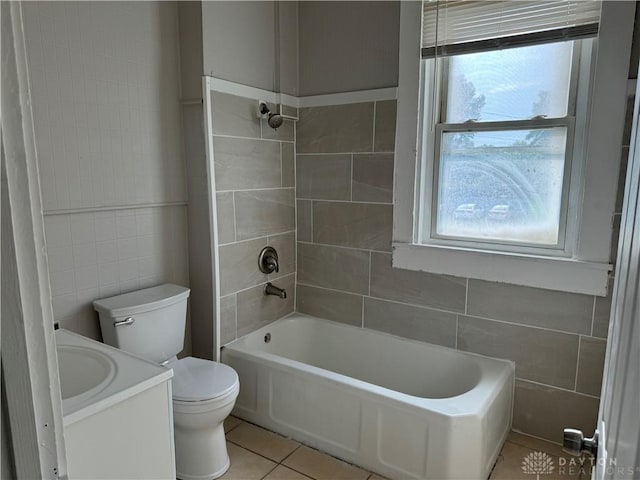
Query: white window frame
{"type": "Point", "coordinates": [587, 268]}
{"type": "Point", "coordinates": [430, 161]}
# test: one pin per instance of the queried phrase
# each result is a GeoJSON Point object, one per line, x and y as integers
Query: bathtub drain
{"type": "Point", "coordinates": [267, 338]}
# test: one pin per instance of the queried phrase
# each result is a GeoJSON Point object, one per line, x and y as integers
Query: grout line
{"type": "Point", "coordinates": [254, 452]}
{"type": "Point", "coordinates": [235, 316]}
{"type": "Point", "coordinates": [298, 471]}
{"type": "Point", "coordinates": [311, 221]}
{"type": "Point", "coordinates": [285, 275]}
{"type": "Point", "coordinates": [269, 472]}
{"type": "Point", "coordinates": [362, 322]}
{"type": "Point", "coordinates": [235, 226]}
{"type": "Point", "coordinates": [292, 452]}
{"type": "Point", "coordinates": [593, 315]}
{"type": "Point", "coordinates": [351, 180]}
{"type": "Point", "coordinates": [387, 252]}
{"type": "Point", "coordinates": [343, 201]}
{"type": "Point", "coordinates": [344, 292]}
{"type": "Point", "coordinates": [588, 395]}
{"type": "Point", "coordinates": [281, 169]}
{"type": "Point", "coordinates": [370, 264]}
{"type": "Point", "coordinates": [255, 189]}
{"type": "Point", "coordinates": [533, 436]}
{"type": "Point", "coordinates": [466, 297]}
{"type": "Point", "coordinates": [254, 138]}
{"type": "Point", "coordinates": [72, 211]}
{"type": "Point", "coordinates": [264, 237]}
{"type": "Point", "coordinates": [457, 330]}
{"type": "Point", "coordinates": [234, 427]}
{"type": "Point", "coordinates": [575, 383]}
{"type": "Point", "coordinates": [316, 154]}
{"type": "Point", "coordinates": [527, 325]}
{"type": "Point", "coordinates": [373, 136]}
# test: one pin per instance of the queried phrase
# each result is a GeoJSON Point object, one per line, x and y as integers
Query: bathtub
{"type": "Point", "coordinates": [400, 408]}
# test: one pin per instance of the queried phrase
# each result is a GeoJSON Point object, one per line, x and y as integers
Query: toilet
{"type": "Point", "coordinates": [151, 323]}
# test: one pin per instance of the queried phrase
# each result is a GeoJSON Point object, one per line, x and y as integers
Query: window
{"type": "Point", "coordinates": [502, 146]}
{"type": "Point", "coordinates": [510, 155]}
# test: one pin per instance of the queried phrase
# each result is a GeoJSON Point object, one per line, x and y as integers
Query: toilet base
{"type": "Point", "coordinates": [201, 454]}
{"type": "Point", "coordinates": [218, 474]}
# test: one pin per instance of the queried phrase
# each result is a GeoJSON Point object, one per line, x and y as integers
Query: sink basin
{"type": "Point", "coordinates": [84, 372]}
{"type": "Point", "coordinates": [95, 377]}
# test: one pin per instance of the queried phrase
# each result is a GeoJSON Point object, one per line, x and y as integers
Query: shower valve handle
{"type": "Point", "coordinates": [268, 260]}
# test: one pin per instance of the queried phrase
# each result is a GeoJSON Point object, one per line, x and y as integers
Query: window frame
{"type": "Point", "coordinates": [585, 267]}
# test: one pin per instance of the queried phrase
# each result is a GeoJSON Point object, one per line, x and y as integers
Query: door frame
{"type": "Point", "coordinates": [618, 421]}
{"type": "Point", "coordinates": [29, 359]}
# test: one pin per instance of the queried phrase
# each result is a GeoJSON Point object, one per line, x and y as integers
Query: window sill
{"type": "Point", "coordinates": [562, 274]}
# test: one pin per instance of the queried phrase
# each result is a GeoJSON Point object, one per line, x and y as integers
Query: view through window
{"type": "Point", "coordinates": [503, 145]}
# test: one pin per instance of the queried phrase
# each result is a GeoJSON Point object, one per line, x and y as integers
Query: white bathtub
{"type": "Point", "coordinates": [401, 408]}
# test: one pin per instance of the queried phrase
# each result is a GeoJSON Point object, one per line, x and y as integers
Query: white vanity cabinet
{"type": "Point", "coordinates": [118, 426]}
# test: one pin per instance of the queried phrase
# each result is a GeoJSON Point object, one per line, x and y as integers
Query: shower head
{"type": "Point", "coordinates": [273, 119]}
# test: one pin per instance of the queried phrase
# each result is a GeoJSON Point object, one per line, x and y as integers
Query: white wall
{"type": "Point", "coordinates": [348, 46]}
{"type": "Point", "coordinates": [240, 41]}
{"type": "Point", "coordinates": [191, 48]}
{"type": "Point", "coordinates": [105, 91]}
{"type": "Point", "coordinates": [6, 459]}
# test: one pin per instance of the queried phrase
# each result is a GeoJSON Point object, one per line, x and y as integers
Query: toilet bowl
{"type": "Point", "coordinates": [204, 392]}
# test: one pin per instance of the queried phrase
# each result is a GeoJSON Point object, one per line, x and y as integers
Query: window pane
{"type": "Point", "coordinates": [510, 84]}
{"type": "Point", "coordinates": [501, 185]}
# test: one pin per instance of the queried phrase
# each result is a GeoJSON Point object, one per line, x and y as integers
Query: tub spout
{"type": "Point", "coordinates": [270, 289]}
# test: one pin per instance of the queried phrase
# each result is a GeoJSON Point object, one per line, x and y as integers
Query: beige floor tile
{"type": "Point", "coordinates": [511, 463]}
{"type": "Point", "coordinates": [230, 423]}
{"type": "Point", "coordinates": [323, 467]}
{"type": "Point", "coordinates": [262, 441]}
{"type": "Point", "coordinates": [246, 465]}
{"type": "Point", "coordinates": [376, 477]}
{"type": "Point", "coordinates": [283, 473]}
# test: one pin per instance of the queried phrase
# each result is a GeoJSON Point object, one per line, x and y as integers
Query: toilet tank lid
{"type": "Point", "coordinates": [141, 301]}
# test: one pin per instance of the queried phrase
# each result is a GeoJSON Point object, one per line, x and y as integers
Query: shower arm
{"type": "Point", "coordinates": [264, 111]}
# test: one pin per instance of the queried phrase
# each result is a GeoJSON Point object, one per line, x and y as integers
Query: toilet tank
{"type": "Point", "coordinates": [149, 323]}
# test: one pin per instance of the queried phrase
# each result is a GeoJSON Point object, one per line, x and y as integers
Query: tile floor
{"type": "Point", "coordinates": [258, 454]}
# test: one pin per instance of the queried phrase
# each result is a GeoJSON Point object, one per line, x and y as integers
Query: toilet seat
{"type": "Point", "coordinates": [198, 380]}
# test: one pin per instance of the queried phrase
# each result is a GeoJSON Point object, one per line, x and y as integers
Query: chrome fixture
{"type": "Point", "coordinates": [273, 119]}
{"type": "Point", "coordinates": [268, 260]}
{"type": "Point", "coordinates": [271, 289]}
{"type": "Point", "coordinates": [575, 444]}
{"type": "Point", "coordinates": [126, 321]}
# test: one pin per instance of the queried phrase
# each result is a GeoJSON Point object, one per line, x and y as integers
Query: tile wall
{"type": "Point", "coordinates": [99, 254]}
{"type": "Point", "coordinates": [255, 194]}
{"type": "Point", "coordinates": [344, 175]}
{"type": "Point", "coordinates": [105, 94]}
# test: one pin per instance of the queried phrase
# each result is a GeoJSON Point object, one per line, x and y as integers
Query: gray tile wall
{"type": "Point", "coordinates": [255, 179]}
{"type": "Point", "coordinates": [344, 220]}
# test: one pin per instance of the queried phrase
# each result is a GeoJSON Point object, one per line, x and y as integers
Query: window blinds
{"type": "Point", "coordinates": [465, 26]}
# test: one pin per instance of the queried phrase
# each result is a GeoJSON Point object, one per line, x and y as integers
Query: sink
{"type": "Point", "coordinates": [84, 372]}
{"type": "Point", "coordinates": [111, 400]}
{"type": "Point", "coordinates": [95, 377]}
